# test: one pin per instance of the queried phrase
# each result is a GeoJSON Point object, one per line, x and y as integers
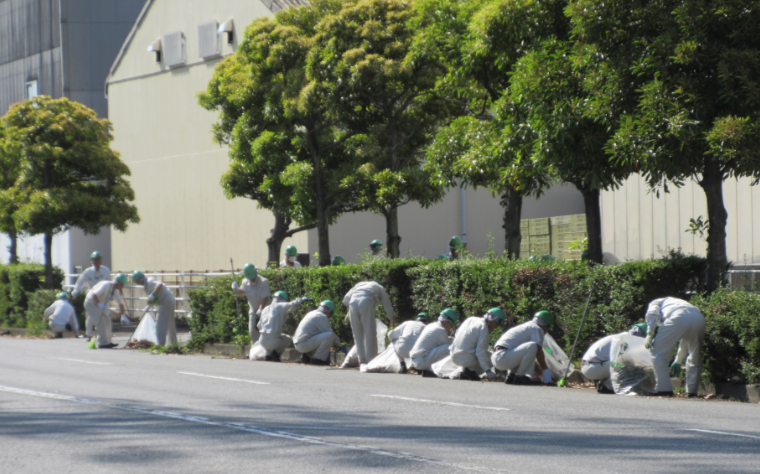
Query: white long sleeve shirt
{"type": "Point", "coordinates": [150, 286]}
{"type": "Point", "coordinates": [91, 277]}
{"type": "Point", "coordinates": [520, 334]}
{"type": "Point", "coordinates": [315, 322]}
{"type": "Point", "coordinates": [62, 313]}
{"type": "Point", "coordinates": [273, 316]}
{"type": "Point", "coordinates": [600, 350]}
{"type": "Point", "coordinates": [432, 336]}
{"type": "Point", "coordinates": [373, 290]}
{"type": "Point", "coordinates": [255, 292]}
{"type": "Point", "coordinates": [473, 337]}
{"type": "Point", "coordinates": [105, 292]}
{"type": "Point", "coordinates": [662, 308]}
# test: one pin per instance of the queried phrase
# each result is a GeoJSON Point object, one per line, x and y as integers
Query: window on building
{"type": "Point", "coordinates": [31, 90]}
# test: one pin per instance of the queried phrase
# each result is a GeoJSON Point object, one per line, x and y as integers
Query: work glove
{"type": "Point", "coordinates": [650, 338]}
{"type": "Point", "coordinates": [235, 285]}
{"type": "Point", "coordinates": [125, 319]}
{"type": "Point", "coordinates": [490, 374]}
{"type": "Point", "coordinates": [74, 293]}
{"type": "Point", "coordinates": [152, 298]}
{"type": "Point", "coordinates": [307, 299]}
{"type": "Point", "coordinates": [675, 369]}
{"type": "Point", "coordinates": [102, 306]}
{"type": "Point", "coordinates": [547, 376]}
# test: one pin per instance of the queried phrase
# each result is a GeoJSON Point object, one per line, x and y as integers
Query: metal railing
{"type": "Point", "coordinates": [743, 279]}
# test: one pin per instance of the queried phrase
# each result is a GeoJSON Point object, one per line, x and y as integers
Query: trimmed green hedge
{"type": "Point", "coordinates": [17, 283]}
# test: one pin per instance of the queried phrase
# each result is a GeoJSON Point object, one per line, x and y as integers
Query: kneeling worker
{"type": "Point", "coordinates": [271, 324]}
{"type": "Point", "coordinates": [96, 305]}
{"type": "Point", "coordinates": [470, 347]}
{"type": "Point", "coordinates": [433, 343]}
{"type": "Point", "coordinates": [255, 288]}
{"type": "Point", "coordinates": [62, 316]}
{"type": "Point", "coordinates": [161, 296]}
{"type": "Point", "coordinates": [405, 335]}
{"type": "Point", "coordinates": [595, 364]}
{"type": "Point", "coordinates": [314, 336]}
{"type": "Point", "coordinates": [518, 350]}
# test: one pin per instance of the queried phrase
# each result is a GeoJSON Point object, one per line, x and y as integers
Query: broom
{"type": "Point", "coordinates": [563, 381]}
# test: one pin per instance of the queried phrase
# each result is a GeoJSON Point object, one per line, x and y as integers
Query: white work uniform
{"type": "Point", "coordinates": [677, 321]}
{"type": "Point", "coordinates": [470, 347]}
{"type": "Point", "coordinates": [296, 264]}
{"type": "Point", "coordinates": [271, 323]}
{"type": "Point", "coordinates": [106, 293]}
{"type": "Point", "coordinates": [361, 302]}
{"type": "Point", "coordinates": [432, 346]}
{"type": "Point", "coordinates": [404, 336]}
{"type": "Point", "coordinates": [517, 348]}
{"type": "Point", "coordinates": [595, 364]}
{"type": "Point", "coordinates": [89, 278]}
{"type": "Point", "coordinates": [314, 336]}
{"type": "Point", "coordinates": [255, 292]}
{"type": "Point", "coordinates": [165, 325]}
{"type": "Point", "coordinates": [60, 314]}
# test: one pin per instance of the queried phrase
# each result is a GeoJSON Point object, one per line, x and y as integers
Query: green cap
{"type": "Point", "coordinates": [497, 313]}
{"type": "Point", "coordinates": [95, 255]}
{"type": "Point", "coordinates": [121, 278]}
{"type": "Point", "coordinates": [375, 244]}
{"type": "Point", "coordinates": [249, 271]}
{"type": "Point", "coordinates": [137, 275]}
{"type": "Point", "coordinates": [455, 243]}
{"type": "Point", "coordinates": [423, 317]}
{"type": "Point", "coordinates": [338, 261]}
{"type": "Point", "coordinates": [533, 258]}
{"type": "Point", "coordinates": [642, 326]}
{"type": "Point", "coordinates": [282, 295]}
{"type": "Point", "coordinates": [547, 258]}
{"type": "Point", "coordinates": [291, 251]}
{"type": "Point", "coordinates": [62, 296]}
{"type": "Point", "coordinates": [545, 316]}
{"type": "Point", "coordinates": [329, 305]}
{"type": "Point", "coordinates": [450, 314]}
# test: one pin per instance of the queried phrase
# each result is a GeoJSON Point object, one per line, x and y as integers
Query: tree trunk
{"type": "Point", "coordinates": [717, 260]}
{"type": "Point", "coordinates": [511, 201]}
{"type": "Point", "coordinates": [391, 232]}
{"type": "Point", "coordinates": [323, 235]}
{"type": "Point", "coordinates": [13, 248]}
{"type": "Point", "coordinates": [48, 261]}
{"type": "Point", "coordinates": [278, 235]}
{"type": "Point", "coordinates": [593, 224]}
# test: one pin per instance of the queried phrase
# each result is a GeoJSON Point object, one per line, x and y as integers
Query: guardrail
{"type": "Point", "coordinates": [743, 279]}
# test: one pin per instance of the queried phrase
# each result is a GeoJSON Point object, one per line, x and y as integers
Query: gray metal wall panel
{"type": "Point", "coordinates": [44, 67]}
{"type": "Point", "coordinates": [28, 27]}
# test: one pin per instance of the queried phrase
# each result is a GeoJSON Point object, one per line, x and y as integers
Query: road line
{"type": "Point", "coordinates": [720, 433]}
{"type": "Point", "coordinates": [250, 429]}
{"type": "Point", "coordinates": [77, 360]}
{"type": "Point", "coordinates": [436, 402]}
{"type": "Point", "coordinates": [224, 378]}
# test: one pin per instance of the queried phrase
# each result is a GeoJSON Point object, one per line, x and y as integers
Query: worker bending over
{"type": "Point", "coordinates": [433, 343]}
{"type": "Point", "coordinates": [595, 364]}
{"type": "Point", "coordinates": [518, 350]}
{"type": "Point", "coordinates": [405, 335]}
{"type": "Point", "coordinates": [361, 302]}
{"type": "Point", "coordinates": [314, 336]}
{"type": "Point", "coordinates": [471, 342]}
{"type": "Point", "coordinates": [96, 305]}
{"type": "Point", "coordinates": [255, 288]}
{"type": "Point", "coordinates": [161, 297]}
{"type": "Point", "coordinates": [455, 246]}
{"type": "Point", "coordinates": [674, 320]}
{"type": "Point", "coordinates": [290, 258]}
{"type": "Point", "coordinates": [62, 316]}
{"type": "Point", "coordinates": [271, 323]}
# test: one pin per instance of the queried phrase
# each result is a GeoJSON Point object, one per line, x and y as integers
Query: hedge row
{"type": "Point", "coordinates": [17, 284]}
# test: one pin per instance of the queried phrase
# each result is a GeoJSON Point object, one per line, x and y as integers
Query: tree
{"type": "Point", "coordinates": [9, 165]}
{"type": "Point", "coordinates": [285, 149]}
{"type": "Point", "coordinates": [69, 176]}
{"type": "Point", "coordinates": [692, 67]}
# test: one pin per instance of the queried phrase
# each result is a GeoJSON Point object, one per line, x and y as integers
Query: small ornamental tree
{"type": "Point", "coordinates": [9, 169]}
{"type": "Point", "coordinates": [69, 176]}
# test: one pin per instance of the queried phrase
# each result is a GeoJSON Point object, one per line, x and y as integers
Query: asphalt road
{"type": "Point", "coordinates": [64, 408]}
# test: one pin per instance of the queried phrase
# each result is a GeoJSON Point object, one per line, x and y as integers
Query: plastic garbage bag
{"type": "Point", "coordinates": [352, 358]}
{"type": "Point", "coordinates": [146, 330]}
{"type": "Point", "coordinates": [257, 352]}
{"type": "Point", "coordinates": [125, 320]}
{"type": "Point", "coordinates": [556, 359]}
{"type": "Point", "coordinates": [446, 368]}
{"type": "Point", "coordinates": [385, 363]}
{"type": "Point", "coordinates": [631, 369]}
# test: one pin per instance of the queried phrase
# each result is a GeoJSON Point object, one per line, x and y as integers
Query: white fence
{"type": "Point", "coordinates": [743, 279]}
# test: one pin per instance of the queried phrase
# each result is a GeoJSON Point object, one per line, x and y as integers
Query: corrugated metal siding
{"type": "Point", "coordinates": [44, 67]}
{"type": "Point", "coordinates": [28, 27]}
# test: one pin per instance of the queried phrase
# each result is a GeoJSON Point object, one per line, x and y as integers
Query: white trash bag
{"type": "Point", "coordinates": [385, 363]}
{"type": "Point", "coordinates": [631, 369]}
{"type": "Point", "coordinates": [352, 358]}
{"type": "Point", "coordinates": [258, 352]}
{"type": "Point", "coordinates": [446, 368]}
{"type": "Point", "coordinates": [146, 330]}
{"type": "Point", "coordinates": [556, 359]}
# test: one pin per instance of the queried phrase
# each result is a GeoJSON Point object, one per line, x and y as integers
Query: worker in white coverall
{"type": "Point", "coordinates": [470, 347]}
{"type": "Point", "coordinates": [520, 349]}
{"type": "Point", "coordinates": [670, 320]}
{"type": "Point", "coordinates": [361, 302]}
{"type": "Point", "coordinates": [86, 281]}
{"type": "Point", "coordinates": [256, 290]}
{"type": "Point", "coordinates": [595, 364]}
{"type": "Point", "coordinates": [314, 336]}
{"type": "Point", "coordinates": [405, 335]}
{"type": "Point", "coordinates": [96, 305]}
{"type": "Point", "coordinates": [377, 248]}
{"type": "Point", "coordinates": [271, 323]}
{"type": "Point", "coordinates": [62, 316]}
{"type": "Point", "coordinates": [290, 257]}
{"type": "Point", "coordinates": [161, 297]}
{"type": "Point", "coordinates": [433, 343]}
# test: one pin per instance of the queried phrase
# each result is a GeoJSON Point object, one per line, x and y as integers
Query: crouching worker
{"type": "Point", "coordinates": [405, 336]}
{"type": "Point", "coordinates": [271, 323]}
{"type": "Point", "coordinates": [433, 343]}
{"type": "Point", "coordinates": [595, 364]}
{"type": "Point", "coordinates": [62, 316]}
{"type": "Point", "coordinates": [674, 320]}
{"type": "Point", "coordinates": [519, 349]}
{"type": "Point", "coordinates": [96, 305]}
{"type": "Point", "coordinates": [471, 342]}
{"type": "Point", "coordinates": [314, 336]}
{"type": "Point", "coordinates": [161, 296]}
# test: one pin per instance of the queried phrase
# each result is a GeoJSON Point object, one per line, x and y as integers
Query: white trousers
{"type": "Point", "coordinates": [403, 347]}
{"type": "Point", "coordinates": [253, 330]}
{"type": "Point", "coordinates": [89, 322]}
{"type": "Point", "coordinates": [598, 371]}
{"type": "Point", "coordinates": [275, 343]}
{"type": "Point", "coordinates": [520, 359]}
{"type": "Point", "coordinates": [318, 346]}
{"type": "Point", "coordinates": [166, 325]}
{"type": "Point", "coordinates": [101, 319]}
{"type": "Point", "coordinates": [468, 360]}
{"type": "Point", "coordinates": [361, 313]}
{"type": "Point", "coordinates": [58, 328]}
{"type": "Point", "coordinates": [688, 327]}
{"type": "Point", "coordinates": [436, 354]}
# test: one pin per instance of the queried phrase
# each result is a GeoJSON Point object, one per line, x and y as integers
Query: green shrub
{"type": "Point", "coordinates": [35, 318]}
{"type": "Point", "coordinates": [17, 283]}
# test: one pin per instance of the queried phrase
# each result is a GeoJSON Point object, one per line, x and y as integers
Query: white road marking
{"type": "Point", "coordinates": [77, 360]}
{"type": "Point", "coordinates": [720, 433]}
{"type": "Point", "coordinates": [249, 429]}
{"type": "Point", "coordinates": [436, 402]}
{"type": "Point", "coordinates": [224, 378]}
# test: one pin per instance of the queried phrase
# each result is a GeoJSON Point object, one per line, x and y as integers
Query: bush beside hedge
{"type": "Point", "coordinates": [17, 283]}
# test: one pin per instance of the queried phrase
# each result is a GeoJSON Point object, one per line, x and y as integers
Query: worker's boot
{"type": "Point", "coordinates": [275, 356]}
{"type": "Point", "coordinates": [403, 367]}
{"type": "Point", "coordinates": [305, 359]}
{"type": "Point", "coordinates": [58, 335]}
{"type": "Point", "coordinates": [510, 378]}
{"type": "Point", "coordinates": [316, 361]}
{"type": "Point", "coordinates": [602, 388]}
{"type": "Point", "coordinates": [428, 373]}
{"type": "Point", "coordinates": [469, 374]}
{"type": "Point", "coordinates": [110, 345]}
{"type": "Point", "coordinates": [524, 380]}
{"type": "Point", "coordinates": [660, 394]}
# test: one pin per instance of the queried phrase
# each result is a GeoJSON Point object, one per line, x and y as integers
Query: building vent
{"type": "Point", "coordinates": [208, 40]}
{"type": "Point", "coordinates": [174, 49]}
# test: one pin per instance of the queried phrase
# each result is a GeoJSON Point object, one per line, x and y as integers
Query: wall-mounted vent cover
{"type": "Point", "coordinates": [208, 40]}
{"type": "Point", "coordinates": [174, 49]}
